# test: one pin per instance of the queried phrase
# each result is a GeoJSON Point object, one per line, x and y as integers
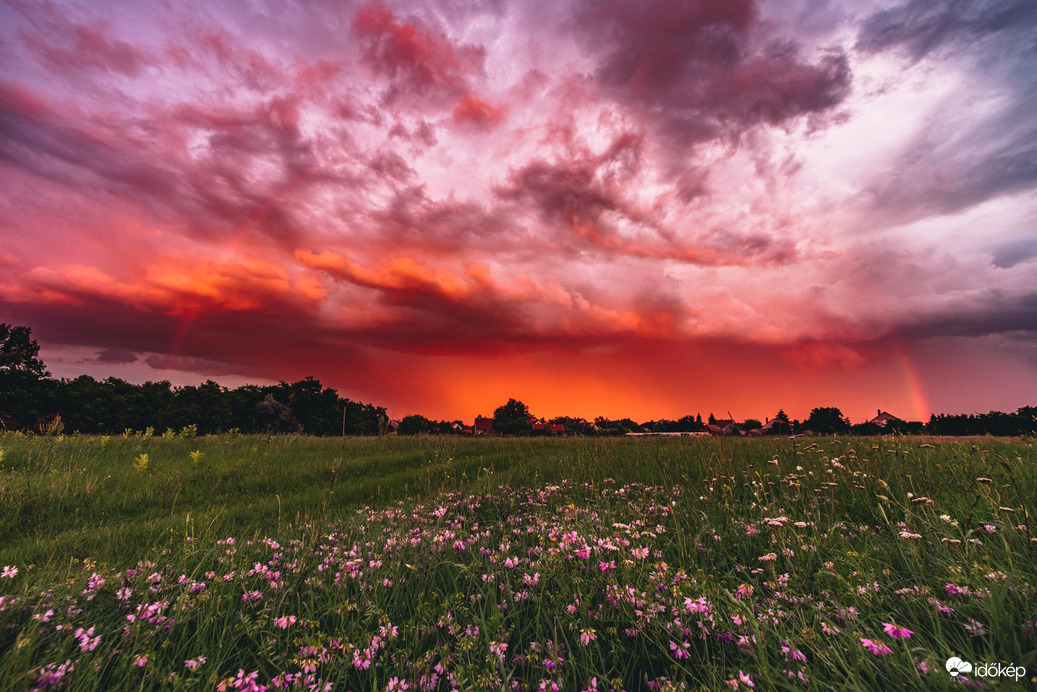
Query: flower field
{"type": "Point", "coordinates": [767, 564]}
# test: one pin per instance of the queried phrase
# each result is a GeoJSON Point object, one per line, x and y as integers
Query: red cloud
{"type": "Point", "coordinates": [400, 275]}
{"type": "Point", "coordinates": [420, 61]}
{"type": "Point", "coordinates": [470, 110]}
{"type": "Point", "coordinates": [174, 285]}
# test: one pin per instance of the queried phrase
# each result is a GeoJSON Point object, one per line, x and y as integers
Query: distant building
{"type": "Point", "coordinates": [883, 419]}
{"type": "Point", "coordinates": [539, 424]}
{"type": "Point", "coordinates": [483, 426]}
{"type": "Point", "coordinates": [776, 426]}
{"type": "Point", "coordinates": [724, 426]}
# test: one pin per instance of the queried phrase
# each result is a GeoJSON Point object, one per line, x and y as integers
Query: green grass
{"type": "Point", "coordinates": [79, 497]}
{"type": "Point", "coordinates": [635, 562]}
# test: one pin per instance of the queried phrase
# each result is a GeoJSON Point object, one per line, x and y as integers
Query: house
{"type": "Point", "coordinates": [884, 419]}
{"type": "Point", "coordinates": [483, 426]}
{"type": "Point", "coordinates": [542, 425]}
{"type": "Point", "coordinates": [776, 426]}
{"type": "Point", "coordinates": [724, 426]}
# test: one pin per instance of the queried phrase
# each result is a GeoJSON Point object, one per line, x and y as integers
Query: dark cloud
{"type": "Point", "coordinates": [948, 168]}
{"type": "Point", "coordinates": [1008, 255]}
{"type": "Point", "coordinates": [562, 192]}
{"type": "Point", "coordinates": [422, 133]}
{"type": "Point", "coordinates": [919, 27]}
{"type": "Point", "coordinates": [390, 165]}
{"type": "Point", "coordinates": [700, 70]}
{"type": "Point", "coordinates": [411, 221]}
{"type": "Point", "coordinates": [215, 193]}
{"type": "Point", "coordinates": [420, 62]}
{"type": "Point", "coordinates": [73, 151]}
{"type": "Point", "coordinates": [116, 356]}
{"type": "Point", "coordinates": [993, 311]}
{"type": "Point", "coordinates": [586, 195]}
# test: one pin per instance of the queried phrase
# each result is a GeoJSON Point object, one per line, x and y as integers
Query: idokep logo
{"type": "Point", "coordinates": [955, 666]}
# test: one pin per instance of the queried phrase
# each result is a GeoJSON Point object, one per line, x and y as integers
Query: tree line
{"type": "Point", "coordinates": [31, 400]}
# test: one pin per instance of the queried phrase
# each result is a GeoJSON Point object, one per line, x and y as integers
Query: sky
{"type": "Point", "coordinates": [602, 208]}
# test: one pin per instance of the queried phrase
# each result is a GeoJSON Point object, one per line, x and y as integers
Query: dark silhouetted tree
{"type": "Point", "coordinates": [23, 387]}
{"type": "Point", "coordinates": [275, 416]}
{"type": "Point", "coordinates": [827, 420]}
{"type": "Point", "coordinates": [512, 419]}
{"type": "Point", "coordinates": [416, 425]}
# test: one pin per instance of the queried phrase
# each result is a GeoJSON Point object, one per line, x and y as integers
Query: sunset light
{"type": "Point", "coordinates": [598, 207]}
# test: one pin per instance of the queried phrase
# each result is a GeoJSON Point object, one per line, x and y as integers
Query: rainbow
{"type": "Point", "coordinates": [916, 392]}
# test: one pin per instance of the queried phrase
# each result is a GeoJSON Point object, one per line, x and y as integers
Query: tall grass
{"type": "Point", "coordinates": [449, 563]}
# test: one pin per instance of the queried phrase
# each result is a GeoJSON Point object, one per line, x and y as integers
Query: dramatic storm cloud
{"type": "Point", "coordinates": [600, 207]}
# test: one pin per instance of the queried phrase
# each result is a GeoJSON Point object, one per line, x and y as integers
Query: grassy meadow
{"type": "Point", "coordinates": [250, 563]}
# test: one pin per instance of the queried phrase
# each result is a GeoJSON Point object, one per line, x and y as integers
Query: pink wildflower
{"type": "Point", "coordinates": [498, 649]}
{"type": "Point", "coordinates": [9, 572]}
{"type": "Point", "coordinates": [896, 631]}
{"type": "Point", "coordinates": [680, 651]}
{"type": "Point", "coordinates": [52, 673]}
{"type": "Point", "coordinates": [876, 648]}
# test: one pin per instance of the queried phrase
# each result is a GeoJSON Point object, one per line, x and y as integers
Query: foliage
{"type": "Point", "coordinates": [416, 425]}
{"type": "Point", "coordinates": [19, 352]}
{"type": "Point", "coordinates": [22, 396]}
{"type": "Point", "coordinates": [1022, 422]}
{"type": "Point", "coordinates": [827, 420]}
{"type": "Point", "coordinates": [672, 563]}
{"type": "Point", "coordinates": [513, 418]}
{"type": "Point", "coordinates": [30, 400]}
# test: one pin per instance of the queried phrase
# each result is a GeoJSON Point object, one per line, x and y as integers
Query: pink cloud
{"type": "Point", "coordinates": [424, 184]}
{"type": "Point", "coordinates": [473, 111]}
{"type": "Point", "coordinates": [418, 61]}
{"type": "Point", "coordinates": [79, 49]}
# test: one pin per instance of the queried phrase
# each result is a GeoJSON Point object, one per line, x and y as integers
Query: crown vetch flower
{"type": "Point", "coordinates": [896, 631]}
